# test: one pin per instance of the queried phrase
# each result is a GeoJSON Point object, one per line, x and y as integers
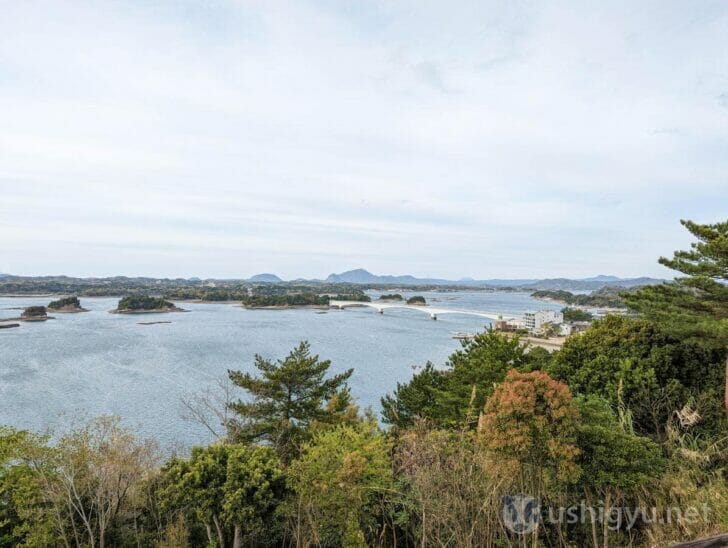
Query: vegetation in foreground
{"type": "Point", "coordinates": [628, 415]}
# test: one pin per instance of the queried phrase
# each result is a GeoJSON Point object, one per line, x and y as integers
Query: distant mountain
{"type": "Point", "coordinates": [4, 275]}
{"type": "Point", "coordinates": [601, 278]}
{"type": "Point", "coordinates": [265, 277]}
{"type": "Point", "coordinates": [589, 284]}
{"type": "Point", "coordinates": [361, 276]}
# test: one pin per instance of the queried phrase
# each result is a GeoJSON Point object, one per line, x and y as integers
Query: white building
{"type": "Point", "coordinates": [534, 321]}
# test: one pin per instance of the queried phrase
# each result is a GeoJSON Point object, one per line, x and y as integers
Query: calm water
{"type": "Point", "coordinates": [99, 363]}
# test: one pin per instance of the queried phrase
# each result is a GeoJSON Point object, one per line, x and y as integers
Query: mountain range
{"type": "Point", "coordinates": [361, 276]}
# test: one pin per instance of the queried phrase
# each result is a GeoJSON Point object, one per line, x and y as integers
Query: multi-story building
{"type": "Point", "coordinates": [534, 321]}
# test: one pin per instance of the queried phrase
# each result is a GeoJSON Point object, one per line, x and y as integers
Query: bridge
{"type": "Point", "coordinates": [432, 311]}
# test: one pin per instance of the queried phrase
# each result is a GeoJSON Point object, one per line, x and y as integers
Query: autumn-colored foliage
{"type": "Point", "coordinates": [530, 421]}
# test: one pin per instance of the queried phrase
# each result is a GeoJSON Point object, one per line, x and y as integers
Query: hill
{"type": "Point", "coordinates": [265, 277]}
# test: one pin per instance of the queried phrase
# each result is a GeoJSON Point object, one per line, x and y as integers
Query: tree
{"type": "Point", "coordinates": [615, 462]}
{"type": "Point", "coordinates": [254, 488]}
{"type": "Point", "coordinates": [292, 394]}
{"type": "Point", "coordinates": [455, 396]}
{"type": "Point", "coordinates": [576, 315]}
{"type": "Point", "coordinates": [24, 520]}
{"type": "Point", "coordinates": [530, 424]}
{"type": "Point", "coordinates": [635, 362]}
{"type": "Point", "coordinates": [414, 400]}
{"type": "Point", "coordinates": [451, 497]}
{"type": "Point", "coordinates": [696, 305]}
{"type": "Point", "coordinates": [83, 485]}
{"type": "Point", "coordinates": [339, 482]}
{"type": "Point", "coordinates": [196, 485]}
{"type": "Point", "coordinates": [233, 490]}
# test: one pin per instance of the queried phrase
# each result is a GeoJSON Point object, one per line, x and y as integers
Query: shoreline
{"type": "Point", "coordinates": [155, 311]}
{"type": "Point", "coordinates": [288, 307]}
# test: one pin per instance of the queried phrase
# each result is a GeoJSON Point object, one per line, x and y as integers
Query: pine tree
{"type": "Point", "coordinates": [292, 394]}
{"type": "Point", "coordinates": [696, 305]}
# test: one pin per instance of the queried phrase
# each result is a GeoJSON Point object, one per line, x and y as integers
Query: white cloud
{"type": "Point", "coordinates": [480, 139]}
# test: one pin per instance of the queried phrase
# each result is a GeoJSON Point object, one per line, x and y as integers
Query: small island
{"type": "Point", "coordinates": [34, 314]}
{"type": "Point", "coordinates": [298, 300]}
{"type": "Point", "coordinates": [144, 304]}
{"type": "Point", "coordinates": [66, 305]}
{"type": "Point", "coordinates": [391, 297]}
{"type": "Point", "coordinates": [417, 300]}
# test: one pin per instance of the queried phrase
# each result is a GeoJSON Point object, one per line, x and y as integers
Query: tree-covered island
{"type": "Point", "coordinates": [66, 305]}
{"type": "Point", "coordinates": [606, 297]}
{"type": "Point", "coordinates": [298, 300]}
{"type": "Point", "coordinates": [34, 314]}
{"type": "Point", "coordinates": [144, 304]}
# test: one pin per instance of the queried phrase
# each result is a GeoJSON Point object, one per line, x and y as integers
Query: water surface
{"type": "Point", "coordinates": [99, 363]}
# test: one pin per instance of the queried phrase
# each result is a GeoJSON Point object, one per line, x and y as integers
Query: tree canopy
{"type": "Point", "coordinates": [286, 399]}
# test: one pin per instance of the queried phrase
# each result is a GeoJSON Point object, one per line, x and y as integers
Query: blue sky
{"type": "Point", "coordinates": [447, 139]}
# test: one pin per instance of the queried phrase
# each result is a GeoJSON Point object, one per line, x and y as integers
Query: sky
{"type": "Point", "coordinates": [441, 139]}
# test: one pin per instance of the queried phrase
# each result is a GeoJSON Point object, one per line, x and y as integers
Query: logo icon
{"type": "Point", "coordinates": [521, 513]}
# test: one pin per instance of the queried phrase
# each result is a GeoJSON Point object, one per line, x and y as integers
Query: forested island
{"type": "Point", "coordinates": [34, 314]}
{"type": "Point", "coordinates": [390, 297]}
{"type": "Point", "coordinates": [298, 300]}
{"type": "Point", "coordinates": [141, 304]}
{"type": "Point", "coordinates": [66, 305]}
{"type": "Point", "coordinates": [606, 297]}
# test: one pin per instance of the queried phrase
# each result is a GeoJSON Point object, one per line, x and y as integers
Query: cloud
{"type": "Point", "coordinates": [482, 139]}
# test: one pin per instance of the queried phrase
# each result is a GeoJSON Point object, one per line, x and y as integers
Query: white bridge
{"type": "Point", "coordinates": [432, 311]}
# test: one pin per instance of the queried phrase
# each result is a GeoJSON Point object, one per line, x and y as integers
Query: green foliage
{"type": "Point", "coordinates": [608, 296]}
{"type": "Point", "coordinates": [290, 395]}
{"type": "Point", "coordinates": [416, 299]}
{"type": "Point", "coordinates": [22, 519]}
{"type": "Point", "coordinates": [576, 315]}
{"type": "Point", "coordinates": [636, 360]}
{"type": "Point", "coordinates": [66, 301]}
{"type": "Point", "coordinates": [416, 399]}
{"type": "Point", "coordinates": [233, 490]}
{"type": "Point", "coordinates": [612, 457]}
{"type": "Point", "coordinates": [456, 395]}
{"type": "Point", "coordinates": [391, 297]}
{"type": "Point", "coordinates": [340, 481]}
{"type": "Point", "coordinates": [34, 312]}
{"type": "Point", "coordinates": [694, 306]}
{"type": "Point", "coordinates": [143, 302]}
{"type": "Point", "coordinates": [294, 299]}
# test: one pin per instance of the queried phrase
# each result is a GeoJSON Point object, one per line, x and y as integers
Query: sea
{"type": "Point", "coordinates": [62, 372]}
